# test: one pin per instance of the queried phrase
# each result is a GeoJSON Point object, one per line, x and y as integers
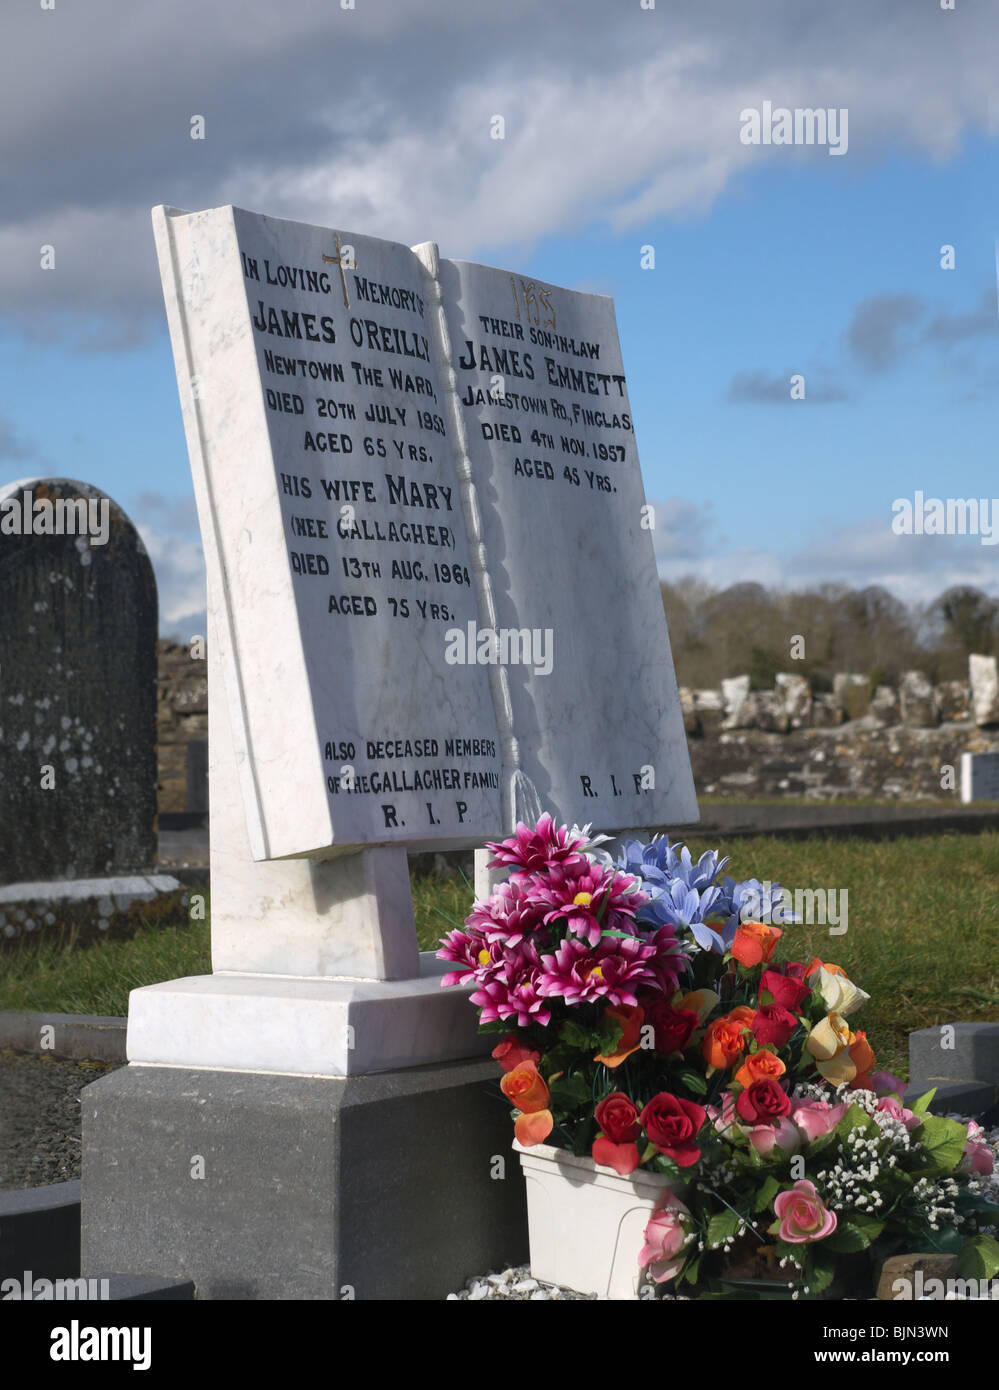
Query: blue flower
{"type": "Point", "coordinates": [680, 906]}
{"type": "Point", "coordinates": [750, 900]}
{"type": "Point", "coordinates": [659, 862]}
{"type": "Point", "coordinates": [684, 893]}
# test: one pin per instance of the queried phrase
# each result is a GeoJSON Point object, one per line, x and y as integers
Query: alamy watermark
{"type": "Point", "coordinates": [778, 125]}
{"type": "Point", "coordinates": [29, 515]}
{"type": "Point", "coordinates": [911, 1290]}
{"type": "Point", "coordinates": [810, 906]}
{"type": "Point", "coordinates": [946, 516]}
{"type": "Point", "coordinates": [503, 646]}
{"type": "Point", "coordinates": [31, 1288]}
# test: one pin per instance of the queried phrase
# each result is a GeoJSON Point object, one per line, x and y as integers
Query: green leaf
{"type": "Point", "coordinates": [854, 1234]}
{"type": "Point", "coordinates": [662, 1164]}
{"type": "Point", "coordinates": [944, 1140]}
{"type": "Point", "coordinates": [987, 1211]}
{"type": "Point", "coordinates": [568, 1092]}
{"type": "Point", "coordinates": [821, 1277]}
{"type": "Point", "coordinates": [855, 1118]}
{"type": "Point", "coordinates": [786, 1251]}
{"type": "Point", "coordinates": [691, 1270]}
{"type": "Point", "coordinates": [922, 1105]}
{"type": "Point", "coordinates": [979, 1259]}
{"type": "Point", "coordinates": [822, 1142]}
{"type": "Point", "coordinates": [721, 1226]}
{"type": "Point", "coordinates": [610, 1031]}
{"type": "Point", "coordinates": [693, 1081]}
{"type": "Point", "coordinates": [945, 1242]}
{"type": "Point", "coordinates": [766, 1193]}
{"type": "Point", "coordinates": [575, 1036]}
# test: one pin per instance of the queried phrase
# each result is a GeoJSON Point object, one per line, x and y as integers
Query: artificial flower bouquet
{"type": "Point", "coordinates": [648, 1021]}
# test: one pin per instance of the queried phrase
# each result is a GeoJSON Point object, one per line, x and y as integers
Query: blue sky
{"type": "Point", "coordinates": [622, 132]}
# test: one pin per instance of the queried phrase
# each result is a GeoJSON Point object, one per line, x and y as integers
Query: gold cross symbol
{"type": "Point", "coordinates": [338, 261]}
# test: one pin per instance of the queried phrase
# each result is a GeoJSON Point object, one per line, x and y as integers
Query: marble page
{"type": "Point", "coordinates": [551, 449]}
{"type": "Point", "coordinates": [328, 503]}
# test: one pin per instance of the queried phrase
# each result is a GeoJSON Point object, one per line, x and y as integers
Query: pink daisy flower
{"type": "Point", "coordinates": [499, 1000]}
{"type": "Point", "coordinates": [611, 970]}
{"type": "Point", "coordinates": [513, 911]}
{"type": "Point", "coordinates": [529, 849]}
{"type": "Point", "coordinates": [584, 895]}
{"type": "Point", "coordinates": [668, 962]}
{"type": "Point", "coordinates": [472, 954]}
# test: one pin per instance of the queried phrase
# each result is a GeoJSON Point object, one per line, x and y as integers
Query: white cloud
{"type": "Point", "coordinates": [378, 119]}
{"type": "Point", "coordinates": [169, 529]}
{"type": "Point", "coordinates": [915, 569]}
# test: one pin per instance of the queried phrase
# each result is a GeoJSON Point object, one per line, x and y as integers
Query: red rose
{"type": "Point", "coordinates": [623, 1158]}
{"type": "Point", "coordinates": [673, 1125]}
{"type": "Point", "coordinates": [673, 1026]}
{"type": "Point", "coordinates": [764, 1102]}
{"type": "Point", "coordinates": [772, 1025]}
{"type": "Point", "coordinates": [798, 969]}
{"type": "Point", "coordinates": [787, 992]}
{"type": "Point", "coordinates": [617, 1118]}
{"type": "Point", "coordinates": [510, 1052]}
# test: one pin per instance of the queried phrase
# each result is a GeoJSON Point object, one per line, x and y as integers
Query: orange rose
{"type": "Point", "coordinates": [817, 965]}
{"type": "Point", "coordinates": [534, 1128]}
{"type": "Point", "coordinates": [760, 1066]}
{"type": "Point", "coordinates": [862, 1057]}
{"type": "Point", "coordinates": [525, 1088]}
{"type": "Point", "coordinates": [630, 1017]}
{"type": "Point", "coordinates": [724, 1042]}
{"type": "Point", "coordinates": [754, 943]}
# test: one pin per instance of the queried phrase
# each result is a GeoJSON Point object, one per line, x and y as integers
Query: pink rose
{"type": "Point", "coordinates": [724, 1119]}
{"type": "Point", "coordinates": [783, 1136]}
{"type": "Point", "coordinates": [815, 1117]}
{"type": "Point", "coordinates": [978, 1156]}
{"type": "Point", "coordinates": [888, 1105]}
{"type": "Point", "coordinates": [666, 1236]}
{"type": "Point", "coordinates": [803, 1215]}
{"type": "Point", "coordinates": [883, 1083]}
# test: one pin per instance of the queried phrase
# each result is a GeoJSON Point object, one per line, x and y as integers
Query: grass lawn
{"type": "Point", "coordinates": [922, 934]}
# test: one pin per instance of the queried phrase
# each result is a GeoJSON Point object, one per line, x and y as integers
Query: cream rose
{"type": "Point", "coordinates": [829, 1037]}
{"type": "Point", "coordinates": [839, 994]}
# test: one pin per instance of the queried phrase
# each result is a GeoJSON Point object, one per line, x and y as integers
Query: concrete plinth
{"type": "Point", "coordinates": [260, 1186]}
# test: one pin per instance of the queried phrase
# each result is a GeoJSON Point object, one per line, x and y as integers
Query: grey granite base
{"type": "Point", "coordinates": [371, 1187]}
{"type": "Point", "coordinates": [956, 1052]}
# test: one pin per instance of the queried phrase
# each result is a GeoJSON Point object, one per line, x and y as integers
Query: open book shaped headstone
{"type": "Point", "coordinates": [433, 597]}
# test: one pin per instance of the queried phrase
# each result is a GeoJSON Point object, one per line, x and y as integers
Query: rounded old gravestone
{"type": "Point", "coordinates": [78, 622]}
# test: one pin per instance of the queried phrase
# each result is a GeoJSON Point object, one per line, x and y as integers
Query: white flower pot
{"type": "Point", "coordinates": [586, 1223]}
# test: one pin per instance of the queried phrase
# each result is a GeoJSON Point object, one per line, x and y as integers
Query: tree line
{"type": "Point", "coordinates": [819, 631]}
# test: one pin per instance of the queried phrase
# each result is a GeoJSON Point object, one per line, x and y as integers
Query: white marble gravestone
{"type": "Point", "coordinates": [433, 599]}
{"type": "Point", "coordinates": [433, 610]}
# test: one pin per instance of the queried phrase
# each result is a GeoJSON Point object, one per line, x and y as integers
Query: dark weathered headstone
{"type": "Point", "coordinates": [78, 618]}
{"type": "Point", "coordinates": [197, 775]}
